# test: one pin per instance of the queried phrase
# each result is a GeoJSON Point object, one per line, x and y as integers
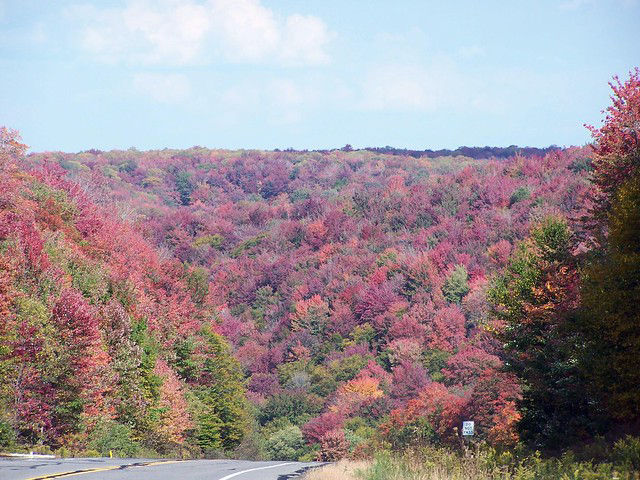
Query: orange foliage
{"type": "Point", "coordinates": [356, 393]}
{"type": "Point", "coordinates": [174, 419]}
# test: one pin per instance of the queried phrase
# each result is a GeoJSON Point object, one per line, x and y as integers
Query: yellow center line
{"type": "Point", "coordinates": [159, 462]}
{"type": "Point", "coordinates": [72, 473]}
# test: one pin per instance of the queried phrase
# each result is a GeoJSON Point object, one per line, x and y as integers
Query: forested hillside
{"type": "Point", "coordinates": [350, 287]}
{"type": "Point", "coordinates": [93, 320]}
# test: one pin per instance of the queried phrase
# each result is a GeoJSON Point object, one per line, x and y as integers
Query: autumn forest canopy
{"type": "Point", "coordinates": [322, 304]}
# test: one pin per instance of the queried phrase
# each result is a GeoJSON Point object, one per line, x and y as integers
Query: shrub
{"type": "Point", "coordinates": [198, 284]}
{"type": "Point", "coordinates": [286, 444]}
{"type": "Point", "coordinates": [252, 446]}
{"type": "Point", "coordinates": [7, 435]}
{"type": "Point", "coordinates": [417, 432]}
{"type": "Point", "coordinates": [115, 437]}
{"type": "Point", "coordinates": [333, 446]}
{"type": "Point", "coordinates": [434, 361]}
{"type": "Point", "coordinates": [626, 451]}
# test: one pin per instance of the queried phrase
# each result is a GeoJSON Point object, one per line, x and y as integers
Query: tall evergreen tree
{"type": "Point", "coordinates": [223, 417]}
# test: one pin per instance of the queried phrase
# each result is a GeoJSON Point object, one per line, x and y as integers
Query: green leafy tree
{"type": "Point", "coordinates": [139, 386]}
{"type": "Point", "coordinates": [296, 407]}
{"type": "Point", "coordinates": [7, 435]}
{"type": "Point", "coordinates": [535, 303]}
{"type": "Point", "coordinates": [286, 444]}
{"type": "Point", "coordinates": [198, 284]}
{"type": "Point", "coordinates": [518, 195]}
{"type": "Point", "coordinates": [112, 437]}
{"type": "Point", "coordinates": [456, 285]}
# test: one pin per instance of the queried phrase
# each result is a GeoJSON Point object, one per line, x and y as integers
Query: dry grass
{"type": "Point", "coordinates": [444, 465]}
{"type": "Point", "coordinates": [342, 470]}
{"type": "Point", "coordinates": [407, 469]}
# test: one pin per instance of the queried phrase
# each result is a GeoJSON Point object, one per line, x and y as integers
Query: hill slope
{"type": "Point", "coordinates": [92, 315]}
{"type": "Point", "coordinates": [349, 284]}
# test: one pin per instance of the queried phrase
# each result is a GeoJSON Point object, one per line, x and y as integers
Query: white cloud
{"type": "Point", "coordinates": [246, 29]}
{"type": "Point", "coordinates": [170, 31]}
{"type": "Point", "coordinates": [444, 85]}
{"type": "Point", "coordinates": [289, 100]}
{"type": "Point", "coordinates": [412, 87]}
{"type": "Point", "coordinates": [163, 88]}
{"type": "Point", "coordinates": [179, 32]}
{"type": "Point", "coordinates": [281, 100]}
{"type": "Point", "coordinates": [305, 39]}
{"type": "Point", "coordinates": [287, 93]}
{"type": "Point", "coordinates": [241, 97]}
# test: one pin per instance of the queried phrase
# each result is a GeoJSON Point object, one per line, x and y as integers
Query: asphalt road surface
{"type": "Point", "coordinates": [142, 469]}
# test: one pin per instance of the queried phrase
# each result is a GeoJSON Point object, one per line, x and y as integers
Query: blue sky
{"type": "Point", "coordinates": [79, 74]}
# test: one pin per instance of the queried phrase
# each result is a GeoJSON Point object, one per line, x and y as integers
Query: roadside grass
{"type": "Point", "coordinates": [342, 470]}
{"type": "Point", "coordinates": [621, 463]}
{"type": "Point", "coordinates": [386, 467]}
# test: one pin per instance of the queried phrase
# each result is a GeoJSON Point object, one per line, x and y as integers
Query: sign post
{"type": "Point", "coordinates": [468, 429]}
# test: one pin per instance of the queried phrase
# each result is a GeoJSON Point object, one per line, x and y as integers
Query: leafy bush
{"type": "Point", "coordinates": [89, 279]}
{"type": "Point", "coordinates": [198, 284]}
{"type": "Point", "coordinates": [417, 432]}
{"type": "Point", "coordinates": [434, 361]}
{"type": "Point", "coordinates": [318, 427]}
{"type": "Point", "coordinates": [347, 368]}
{"type": "Point", "coordinates": [333, 446]}
{"type": "Point", "coordinates": [7, 435]}
{"type": "Point", "coordinates": [286, 444]}
{"type": "Point", "coordinates": [626, 452]}
{"type": "Point", "coordinates": [115, 437]}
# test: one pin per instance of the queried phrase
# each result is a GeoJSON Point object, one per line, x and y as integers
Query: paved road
{"type": "Point", "coordinates": [142, 469]}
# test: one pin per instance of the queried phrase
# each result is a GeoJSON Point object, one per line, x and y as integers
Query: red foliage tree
{"type": "Point", "coordinates": [439, 407]}
{"type": "Point", "coordinates": [317, 428]}
{"type": "Point", "coordinates": [617, 141]}
{"type": "Point", "coordinates": [408, 379]}
{"type": "Point", "coordinates": [447, 330]}
{"type": "Point", "coordinates": [84, 360]}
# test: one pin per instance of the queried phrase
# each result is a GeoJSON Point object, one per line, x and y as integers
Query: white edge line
{"type": "Point", "coordinates": [26, 455]}
{"type": "Point", "coordinates": [254, 469]}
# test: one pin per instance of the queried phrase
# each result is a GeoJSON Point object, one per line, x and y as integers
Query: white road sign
{"type": "Point", "coordinates": [467, 428]}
